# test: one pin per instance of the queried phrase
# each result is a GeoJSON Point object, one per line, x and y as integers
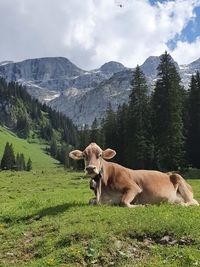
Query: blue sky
{"type": "Point", "coordinates": [192, 30]}
{"type": "Point", "coordinates": [154, 2]}
{"type": "Point", "coordinates": [189, 33]}
{"type": "Point", "coordinates": [92, 32]}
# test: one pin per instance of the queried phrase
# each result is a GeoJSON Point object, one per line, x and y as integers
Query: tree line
{"type": "Point", "coordinates": [157, 130]}
{"type": "Point", "coordinates": [11, 162]}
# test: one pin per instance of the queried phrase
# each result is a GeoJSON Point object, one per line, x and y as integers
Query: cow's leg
{"type": "Point", "coordinates": [192, 202]}
{"type": "Point", "coordinates": [93, 201]}
{"type": "Point", "coordinates": [178, 199]}
{"type": "Point", "coordinates": [129, 196]}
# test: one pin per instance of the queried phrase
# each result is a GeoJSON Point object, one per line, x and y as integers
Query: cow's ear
{"type": "Point", "coordinates": [108, 153]}
{"type": "Point", "coordinates": [76, 154]}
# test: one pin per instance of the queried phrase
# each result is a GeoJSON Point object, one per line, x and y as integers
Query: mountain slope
{"type": "Point", "coordinates": [31, 120]}
{"type": "Point", "coordinates": [85, 107]}
{"type": "Point", "coordinates": [83, 95]}
{"type": "Point", "coordinates": [22, 113]}
{"type": "Point", "coordinates": [35, 151]}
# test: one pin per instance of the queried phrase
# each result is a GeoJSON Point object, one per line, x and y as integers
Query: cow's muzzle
{"type": "Point", "coordinates": [91, 170]}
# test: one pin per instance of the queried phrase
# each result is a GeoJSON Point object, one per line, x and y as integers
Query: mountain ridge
{"type": "Point", "coordinates": [83, 95]}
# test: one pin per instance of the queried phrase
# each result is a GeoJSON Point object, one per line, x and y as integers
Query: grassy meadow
{"type": "Point", "coordinates": [33, 150]}
{"type": "Point", "coordinates": [45, 220]}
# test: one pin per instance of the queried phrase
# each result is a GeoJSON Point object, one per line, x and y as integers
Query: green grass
{"type": "Point", "coordinates": [34, 151]}
{"type": "Point", "coordinates": [45, 220]}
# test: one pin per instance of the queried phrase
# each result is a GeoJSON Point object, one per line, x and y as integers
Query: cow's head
{"type": "Point", "coordinates": [92, 156]}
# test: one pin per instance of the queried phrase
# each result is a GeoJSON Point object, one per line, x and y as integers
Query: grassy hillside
{"type": "Point", "coordinates": [34, 151]}
{"type": "Point", "coordinates": [45, 220]}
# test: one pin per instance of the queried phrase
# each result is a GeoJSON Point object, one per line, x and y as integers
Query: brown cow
{"type": "Point", "coordinates": [116, 184]}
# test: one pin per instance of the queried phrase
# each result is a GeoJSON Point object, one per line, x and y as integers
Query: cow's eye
{"type": "Point", "coordinates": [99, 155]}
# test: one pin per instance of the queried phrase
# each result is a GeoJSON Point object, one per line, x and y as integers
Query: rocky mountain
{"type": "Point", "coordinates": [187, 70]}
{"type": "Point", "coordinates": [83, 95]}
{"type": "Point", "coordinates": [92, 104]}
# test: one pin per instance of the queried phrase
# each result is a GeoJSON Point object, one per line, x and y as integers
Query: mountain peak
{"type": "Point", "coordinates": [149, 67]}
{"type": "Point", "coordinates": [56, 61]}
{"type": "Point", "coordinates": [41, 69]}
{"type": "Point", "coordinates": [152, 59]}
{"type": "Point", "coordinates": [112, 66]}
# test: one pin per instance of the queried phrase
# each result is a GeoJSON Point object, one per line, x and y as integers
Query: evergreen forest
{"type": "Point", "coordinates": [157, 129]}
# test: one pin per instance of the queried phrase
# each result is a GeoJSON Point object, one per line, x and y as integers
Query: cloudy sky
{"type": "Point", "coordinates": [92, 32]}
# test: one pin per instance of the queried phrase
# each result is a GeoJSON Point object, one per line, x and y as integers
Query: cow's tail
{"type": "Point", "coordinates": [183, 188]}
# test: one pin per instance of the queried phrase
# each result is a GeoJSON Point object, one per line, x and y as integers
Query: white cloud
{"type": "Point", "coordinates": [91, 32]}
{"type": "Point", "coordinates": [186, 52]}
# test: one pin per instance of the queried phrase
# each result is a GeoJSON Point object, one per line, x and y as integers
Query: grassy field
{"type": "Point", "coordinates": [45, 220]}
{"type": "Point", "coordinates": [34, 151]}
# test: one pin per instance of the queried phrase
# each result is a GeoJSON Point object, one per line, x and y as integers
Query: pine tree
{"type": "Point", "coordinates": [23, 126]}
{"type": "Point", "coordinates": [101, 136]}
{"type": "Point", "coordinates": [167, 104]}
{"type": "Point", "coordinates": [193, 142]}
{"type": "Point", "coordinates": [5, 159]}
{"type": "Point", "coordinates": [47, 131]}
{"type": "Point", "coordinates": [22, 164]}
{"type": "Point", "coordinates": [94, 132]}
{"type": "Point", "coordinates": [18, 162]}
{"type": "Point", "coordinates": [68, 162]}
{"type": "Point", "coordinates": [8, 159]}
{"type": "Point", "coordinates": [29, 165]}
{"type": "Point", "coordinates": [12, 157]}
{"type": "Point", "coordinates": [84, 137]}
{"type": "Point", "coordinates": [122, 128]}
{"type": "Point", "coordinates": [110, 128]}
{"type": "Point", "coordinates": [53, 147]}
{"type": "Point", "coordinates": [139, 147]}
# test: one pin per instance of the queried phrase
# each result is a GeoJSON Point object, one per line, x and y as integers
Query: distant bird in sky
{"type": "Point", "coordinates": [119, 4]}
